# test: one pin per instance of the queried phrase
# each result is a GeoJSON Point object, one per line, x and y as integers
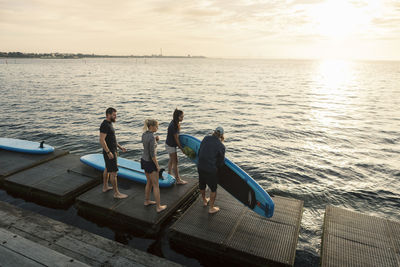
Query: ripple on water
{"type": "Point", "coordinates": [287, 124]}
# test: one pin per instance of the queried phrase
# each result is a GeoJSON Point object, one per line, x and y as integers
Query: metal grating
{"type": "Point", "coordinates": [63, 177]}
{"type": "Point", "coordinates": [354, 239]}
{"type": "Point", "coordinates": [239, 234]}
{"type": "Point", "coordinates": [12, 162]}
{"type": "Point", "coordinates": [131, 210]}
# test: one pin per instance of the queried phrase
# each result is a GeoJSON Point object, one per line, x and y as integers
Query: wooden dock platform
{"type": "Point", "coordinates": [54, 183]}
{"type": "Point", "coordinates": [130, 214]}
{"type": "Point", "coordinates": [13, 162]}
{"type": "Point", "coordinates": [238, 236]}
{"type": "Point", "coordinates": [30, 239]}
{"type": "Point", "coordinates": [355, 239]}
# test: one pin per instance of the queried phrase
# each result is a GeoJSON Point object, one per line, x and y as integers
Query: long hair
{"type": "Point", "coordinates": [148, 123]}
{"type": "Point", "coordinates": [175, 116]}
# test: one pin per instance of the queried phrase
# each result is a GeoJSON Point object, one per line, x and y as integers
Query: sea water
{"type": "Point", "coordinates": [325, 132]}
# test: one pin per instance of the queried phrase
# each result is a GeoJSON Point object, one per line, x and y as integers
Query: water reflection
{"type": "Point", "coordinates": [332, 93]}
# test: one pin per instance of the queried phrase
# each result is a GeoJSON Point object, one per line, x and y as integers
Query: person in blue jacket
{"type": "Point", "coordinates": [211, 157]}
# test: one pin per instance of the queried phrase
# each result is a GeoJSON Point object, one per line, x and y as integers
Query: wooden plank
{"type": "Point", "coordinates": [11, 258]}
{"type": "Point", "coordinates": [35, 252]}
{"type": "Point", "coordinates": [238, 235]}
{"type": "Point", "coordinates": [73, 242]}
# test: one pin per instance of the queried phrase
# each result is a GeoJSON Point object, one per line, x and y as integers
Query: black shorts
{"type": "Point", "coordinates": [148, 166]}
{"type": "Point", "coordinates": [208, 178]}
{"type": "Point", "coordinates": [111, 164]}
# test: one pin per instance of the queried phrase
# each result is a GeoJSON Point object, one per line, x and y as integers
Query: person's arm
{"type": "Point", "coordinates": [176, 136]}
{"type": "Point", "coordinates": [104, 145]}
{"type": "Point", "coordinates": [121, 147]}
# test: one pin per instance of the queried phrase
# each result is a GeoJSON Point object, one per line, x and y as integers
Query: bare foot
{"type": "Point", "coordinates": [120, 195]}
{"type": "Point", "coordinates": [205, 202]}
{"type": "Point", "coordinates": [180, 181]}
{"type": "Point", "coordinates": [149, 202]}
{"type": "Point", "coordinates": [105, 189]}
{"type": "Point", "coordinates": [161, 208]}
{"type": "Point", "coordinates": [213, 210]}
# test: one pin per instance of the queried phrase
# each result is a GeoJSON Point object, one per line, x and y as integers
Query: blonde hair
{"type": "Point", "coordinates": [148, 123]}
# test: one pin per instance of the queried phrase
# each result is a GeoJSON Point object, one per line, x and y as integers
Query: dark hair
{"type": "Point", "coordinates": [110, 111]}
{"type": "Point", "coordinates": [176, 115]}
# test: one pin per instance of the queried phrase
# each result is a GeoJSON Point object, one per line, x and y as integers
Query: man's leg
{"type": "Point", "coordinates": [113, 178]}
{"type": "Point", "coordinates": [213, 209]}
{"type": "Point", "coordinates": [212, 183]}
{"type": "Point", "coordinates": [106, 177]}
{"type": "Point", "coordinates": [202, 187]}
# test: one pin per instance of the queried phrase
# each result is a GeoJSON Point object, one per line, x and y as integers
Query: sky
{"type": "Point", "coordinates": [299, 29]}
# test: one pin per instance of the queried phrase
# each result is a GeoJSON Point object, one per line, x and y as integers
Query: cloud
{"type": "Point", "coordinates": [207, 27]}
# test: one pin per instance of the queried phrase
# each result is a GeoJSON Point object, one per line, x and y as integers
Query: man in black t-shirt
{"type": "Point", "coordinates": [109, 144]}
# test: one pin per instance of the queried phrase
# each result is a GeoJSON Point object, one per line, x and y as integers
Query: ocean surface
{"type": "Point", "coordinates": [325, 132]}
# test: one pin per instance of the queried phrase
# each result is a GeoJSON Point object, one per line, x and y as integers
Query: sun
{"type": "Point", "coordinates": [337, 19]}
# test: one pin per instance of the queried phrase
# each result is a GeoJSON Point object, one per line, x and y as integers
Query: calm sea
{"type": "Point", "coordinates": [325, 132]}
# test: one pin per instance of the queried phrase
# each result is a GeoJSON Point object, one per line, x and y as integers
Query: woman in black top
{"type": "Point", "coordinates": [172, 142]}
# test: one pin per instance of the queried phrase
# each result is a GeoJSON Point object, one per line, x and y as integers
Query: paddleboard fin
{"type": "Point", "coordinates": [41, 144]}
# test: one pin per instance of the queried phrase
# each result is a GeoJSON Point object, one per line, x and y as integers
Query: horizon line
{"type": "Point", "coordinates": [195, 56]}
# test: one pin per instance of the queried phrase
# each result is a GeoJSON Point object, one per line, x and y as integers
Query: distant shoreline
{"type": "Point", "coordinates": [79, 55]}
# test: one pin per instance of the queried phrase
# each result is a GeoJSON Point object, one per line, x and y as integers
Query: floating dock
{"type": "Point", "coordinates": [13, 162]}
{"type": "Point", "coordinates": [236, 235]}
{"type": "Point", "coordinates": [54, 183]}
{"type": "Point", "coordinates": [30, 239]}
{"type": "Point", "coordinates": [130, 214]}
{"type": "Point", "coordinates": [355, 239]}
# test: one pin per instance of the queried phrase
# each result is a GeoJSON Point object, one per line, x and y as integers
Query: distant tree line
{"type": "Point", "coordinates": [79, 55]}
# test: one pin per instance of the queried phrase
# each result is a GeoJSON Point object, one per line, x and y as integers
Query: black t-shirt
{"type": "Point", "coordinates": [111, 141]}
{"type": "Point", "coordinates": [172, 130]}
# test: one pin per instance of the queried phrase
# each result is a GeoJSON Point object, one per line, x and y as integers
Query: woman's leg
{"type": "Point", "coordinates": [174, 157]}
{"type": "Point", "coordinates": [156, 191]}
{"type": "Point", "coordinates": [170, 164]}
{"type": "Point", "coordinates": [147, 190]}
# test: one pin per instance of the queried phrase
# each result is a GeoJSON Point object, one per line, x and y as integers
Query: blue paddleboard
{"type": "Point", "coordinates": [127, 169]}
{"type": "Point", "coordinates": [236, 181]}
{"type": "Point", "coordinates": [24, 146]}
